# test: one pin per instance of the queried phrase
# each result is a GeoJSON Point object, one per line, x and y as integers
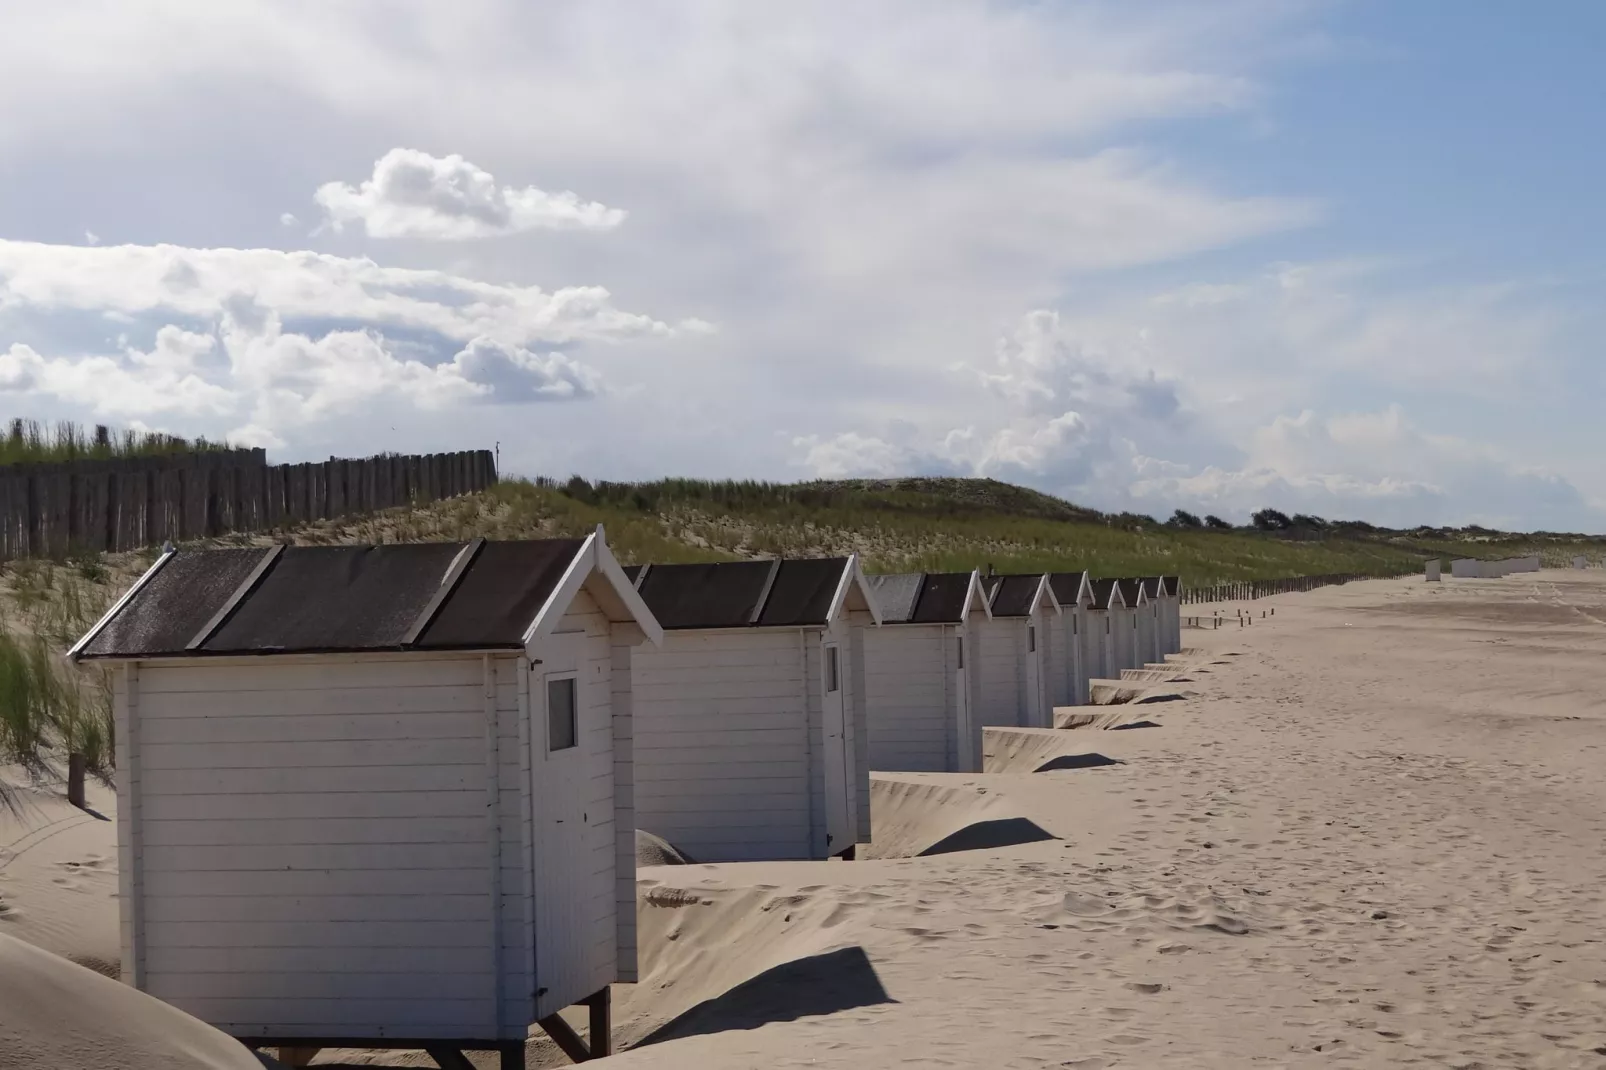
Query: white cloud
{"type": "Point", "coordinates": [163, 380]}
{"type": "Point", "coordinates": [132, 279]}
{"type": "Point", "coordinates": [854, 455]}
{"type": "Point", "coordinates": [510, 374]}
{"type": "Point", "coordinates": [288, 219]}
{"type": "Point", "coordinates": [415, 195]}
{"type": "Point", "coordinates": [91, 237]}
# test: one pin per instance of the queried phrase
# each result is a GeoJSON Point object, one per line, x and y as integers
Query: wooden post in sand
{"type": "Point", "coordinates": [77, 767]}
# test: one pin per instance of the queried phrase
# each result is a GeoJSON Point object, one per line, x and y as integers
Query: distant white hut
{"type": "Point", "coordinates": [1014, 648]}
{"type": "Point", "coordinates": [1129, 625]}
{"type": "Point", "coordinates": [1099, 648]}
{"type": "Point", "coordinates": [1433, 570]}
{"type": "Point", "coordinates": [1170, 614]}
{"type": "Point", "coordinates": [1068, 665]}
{"type": "Point", "coordinates": [378, 796]}
{"type": "Point", "coordinates": [1580, 562]}
{"type": "Point", "coordinates": [750, 721]}
{"type": "Point", "coordinates": [920, 689]}
{"type": "Point", "coordinates": [1466, 568]}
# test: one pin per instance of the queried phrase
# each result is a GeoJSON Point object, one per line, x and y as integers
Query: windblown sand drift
{"type": "Point", "coordinates": [58, 1015]}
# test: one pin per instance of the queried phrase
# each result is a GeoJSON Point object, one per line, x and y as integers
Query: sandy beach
{"type": "Point", "coordinates": [1367, 831]}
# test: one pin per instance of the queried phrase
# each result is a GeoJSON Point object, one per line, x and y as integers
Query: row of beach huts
{"type": "Point", "coordinates": [388, 795]}
{"type": "Point", "coordinates": [1470, 568]}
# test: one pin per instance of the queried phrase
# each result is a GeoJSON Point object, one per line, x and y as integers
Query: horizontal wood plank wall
{"type": "Point", "coordinates": [1002, 665]}
{"type": "Point", "coordinates": [721, 757]}
{"type": "Point", "coordinates": [92, 506]}
{"type": "Point", "coordinates": [312, 845]}
{"type": "Point", "coordinates": [907, 688]}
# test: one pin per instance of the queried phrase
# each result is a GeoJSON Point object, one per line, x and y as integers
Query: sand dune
{"type": "Point", "coordinates": [56, 1015]}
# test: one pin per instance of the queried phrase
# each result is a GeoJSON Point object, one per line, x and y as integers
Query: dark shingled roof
{"type": "Point", "coordinates": [1159, 585]}
{"type": "Point", "coordinates": [1066, 586]}
{"type": "Point", "coordinates": [735, 594]}
{"type": "Point", "coordinates": [1104, 593]}
{"type": "Point", "coordinates": [1012, 595]}
{"type": "Point", "coordinates": [1130, 589]}
{"type": "Point", "coordinates": [896, 595]}
{"type": "Point", "coordinates": [942, 598]}
{"type": "Point", "coordinates": [329, 599]}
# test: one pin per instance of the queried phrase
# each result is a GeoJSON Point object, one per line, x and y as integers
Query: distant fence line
{"type": "Point", "coordinates": [1246, 590]}
{"type": "Point", "coordinates": [59, 509]}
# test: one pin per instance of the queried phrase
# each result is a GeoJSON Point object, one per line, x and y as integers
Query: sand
{"type": "Point", "coordinates": [1367, 832]}
{"type": "Point", "coordinates": [58, 874]}
{"type": "Point", "coordinates": [65, 1017]}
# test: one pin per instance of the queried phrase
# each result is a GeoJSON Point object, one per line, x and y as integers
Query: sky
{"type": "Point", "coordinates": [1332, 257]}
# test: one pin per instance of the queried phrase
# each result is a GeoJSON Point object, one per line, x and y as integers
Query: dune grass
{"type": "Point", "coordinates": [29, 441]}
{"type": "Point", "coordinates": [49, 708]}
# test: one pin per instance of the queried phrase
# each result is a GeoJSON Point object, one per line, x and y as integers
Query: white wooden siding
{"type": "Point", "coordinates": [860, 624]}
{"type": "Point", "coordinates": [908, 678]}
{"type": "Point", "coordinates": [1002, 666]}
{"type": "Point", "coordinates": [304, 861]}
{"type": "Point", "coordinates": [1096, 640]}
{"type": "Point", "coordinates": [725, 739]}
{"type": "Point", "coordinates": [625, 640]}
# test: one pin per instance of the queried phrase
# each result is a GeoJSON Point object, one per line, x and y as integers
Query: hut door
{"type": "Point", "coordinates": [561, 797]}
{"type": "Point", "coordinates": [838, 828]}
{"type": "Point", "coordinates": [1032, 715]}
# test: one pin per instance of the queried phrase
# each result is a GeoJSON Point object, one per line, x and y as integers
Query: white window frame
{"type": "Point", "coordinates": [547, 680]}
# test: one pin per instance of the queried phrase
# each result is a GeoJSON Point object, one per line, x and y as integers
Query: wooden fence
{"type": "Point", "coordinates": [56, 510]}
{"type": "Point", "coordinates": [1250, 589]}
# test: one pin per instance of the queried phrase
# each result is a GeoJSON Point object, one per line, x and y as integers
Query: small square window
{"type": "Point", "coordinates": [561, 729]}
{"type": "Point", "coordinates": [833, 672]}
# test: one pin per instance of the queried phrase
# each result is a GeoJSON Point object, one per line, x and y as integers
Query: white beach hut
{"type": "Point", "coordinates": [1127, 625]}
{"type": "Point", "coordinates": [1067, 641]}
{"type": "Point", "coordinates": [1170, 614]}
{"type": "Point", "coordinates": [1014, 647]}
{"type": "Point", "coordinates": [378, 796]}
{"type": "Point", "coordinates": [1099, 646]}
{"type": "Point", "coordinates": [1434, 566]}
{"type": "Point", "coordinates": [750, 725]}
{"type": "Point", "coordinates": [919, 687]}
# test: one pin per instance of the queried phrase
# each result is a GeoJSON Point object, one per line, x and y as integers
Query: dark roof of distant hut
{"type": "Point", "coordinates": [1067, 586]}
{"type": "Point", "coordinates": [1131, 590]}
{"type": "Point", "coordinates": [740, 594]}
{"type": "Point", "coordinates": [1105, 593]}
{"type": "Point", "coordinates": [922, 597]}
{"type": "Point", "coordinates": [1014, 596]}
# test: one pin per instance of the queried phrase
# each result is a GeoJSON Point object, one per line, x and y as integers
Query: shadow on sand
{"type": "Point", "coordinates": [1077, 761]}
{"type": "Point", "coordinates": [820, 984]}
{"type": "Point", "coordinates": [989, 835]}
{"type": "Point", "coordinates": [1134, 724]}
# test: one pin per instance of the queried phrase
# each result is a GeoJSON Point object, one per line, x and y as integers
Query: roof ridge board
{"type": "Point", "coordinates": [253, 578]}
{"type": "Point", "coordinates": [764, 593]}
{"type": "Point", "coordinates": [454, 575]}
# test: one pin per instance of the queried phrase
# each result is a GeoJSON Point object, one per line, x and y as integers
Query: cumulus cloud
{"type": "Point", "coordinates": [133, 279]}
{"type": "Point", "coordinates": [415, 195]}
{"type": "Point", "coordinates": [275, 380]}
{"type": "Point", "coordinates": [511, 374]}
